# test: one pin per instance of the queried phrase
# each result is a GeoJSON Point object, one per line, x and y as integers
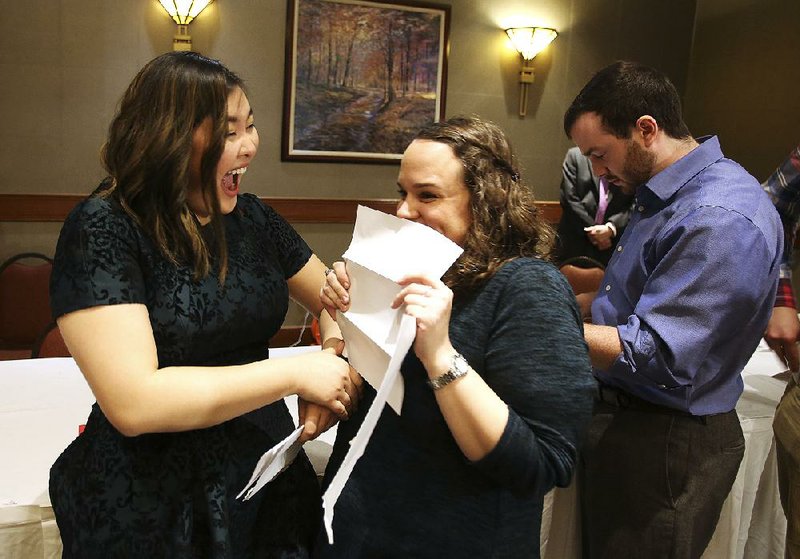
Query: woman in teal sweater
{"type": "Point", "coordinates": [498, 389]}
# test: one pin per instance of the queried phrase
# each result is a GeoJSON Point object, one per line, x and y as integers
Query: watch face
{"type": "Point", "coordinates": [460, 365]}
{"type": "Point", "coordinates": [458, 368]}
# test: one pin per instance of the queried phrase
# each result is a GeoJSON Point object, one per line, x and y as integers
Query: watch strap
{"type": "Point", "coordinates": [458, 368]}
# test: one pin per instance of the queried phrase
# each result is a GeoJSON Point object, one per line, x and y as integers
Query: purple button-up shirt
{"type": "Point", "coordinates": [691, 284]}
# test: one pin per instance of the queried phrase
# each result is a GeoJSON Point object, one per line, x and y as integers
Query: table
{"type": "Point", "coordinates": [43, 401]}
{"type": "Point", "coordinates": [752, 524]}
{"type": "Point", "coordinates": [42, 404]}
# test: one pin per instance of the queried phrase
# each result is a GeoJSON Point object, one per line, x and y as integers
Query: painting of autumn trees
{"type": "Point", "coordinates": [365, 77]}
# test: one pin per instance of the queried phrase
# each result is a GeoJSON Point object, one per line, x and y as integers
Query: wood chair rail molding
{"type": "Point", "coordinates": [55, 207]}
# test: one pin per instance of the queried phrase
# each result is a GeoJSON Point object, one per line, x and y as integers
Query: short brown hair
{"type": "Point", "coordinates": [624, 91]}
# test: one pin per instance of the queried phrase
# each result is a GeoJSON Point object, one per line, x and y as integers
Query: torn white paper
{"type": "Point", "coordinates": [273, 462]}
{"type": "Point", "coordinates": [371, 328]}
{"type": "Point", "coordinates": [394, 247]}
{"type": "Point", "coordinates": [407, 331]}
{"type": "Point", "coordinates": [384, 249]}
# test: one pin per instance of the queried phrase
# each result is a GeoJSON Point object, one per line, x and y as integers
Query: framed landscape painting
{"type": "Point", "coordinates": [362, 78]}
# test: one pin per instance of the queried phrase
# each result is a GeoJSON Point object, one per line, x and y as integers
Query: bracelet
{"type": "Point", "coordinates": [458, 368]}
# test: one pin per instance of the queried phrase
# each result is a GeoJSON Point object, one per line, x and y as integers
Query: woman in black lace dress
{"type": "Point", "coordinates": [168, 284]}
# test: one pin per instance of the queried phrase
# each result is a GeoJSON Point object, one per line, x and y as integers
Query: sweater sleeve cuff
{"type": "Point", "coordinates": [520, 467]}
{"type": "Point", "coordinates": [496, 463]}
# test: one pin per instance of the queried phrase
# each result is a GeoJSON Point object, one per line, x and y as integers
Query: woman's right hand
{"type": "Point", "coordinates": [327, 379]}
{"type": "Point", "coordinates": [333, 294]}
{"type": "Point", "coordinates": [315, 419]}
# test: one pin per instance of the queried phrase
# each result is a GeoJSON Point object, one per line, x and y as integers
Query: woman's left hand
{"type": "Point", "coordinates": [429, 301]}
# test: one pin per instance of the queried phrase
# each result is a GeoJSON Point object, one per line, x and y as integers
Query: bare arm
{"type": "Point", "coordinates": [304, 287]}
{"type": "Point", "coordinates": [604, 345]}
{"type": "Point", "coordinates": [114, 347]}
{"type": "Point", "coordinates": [475, 414]}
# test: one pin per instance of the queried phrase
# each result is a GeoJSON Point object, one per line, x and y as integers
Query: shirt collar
{"type": "Point", "coordinates": [665, 184]}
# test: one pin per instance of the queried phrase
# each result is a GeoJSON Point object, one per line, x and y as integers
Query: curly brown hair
{"type": "Point", "coordinates": [506, 223]}
{"type": "Point", "coordinates": [149, 146]}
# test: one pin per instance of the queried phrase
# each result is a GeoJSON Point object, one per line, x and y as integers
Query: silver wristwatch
{"type": "Point", "coordinates": [458, 368]}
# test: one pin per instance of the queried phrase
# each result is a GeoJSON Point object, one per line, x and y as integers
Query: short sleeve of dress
{"type": "Point", "coordinates": [291, 250]}
{"type": "Point", "coordinates": [97, 259]}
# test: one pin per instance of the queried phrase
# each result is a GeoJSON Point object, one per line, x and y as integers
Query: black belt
{"type": "Point", "coordinates": [624, 400]}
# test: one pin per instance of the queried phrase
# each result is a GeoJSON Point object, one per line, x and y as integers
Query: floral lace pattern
{"type": "Point", "coordinates": [173, 494]}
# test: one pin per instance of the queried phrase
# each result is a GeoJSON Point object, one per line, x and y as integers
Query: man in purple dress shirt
{"type": "Point", "coordinates": [684, 301]}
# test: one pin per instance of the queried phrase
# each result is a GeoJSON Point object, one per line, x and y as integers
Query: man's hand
{"type": "Point", "coordinates": [782, 333]}
{"type": "Point", "coordinates": [600, 235]}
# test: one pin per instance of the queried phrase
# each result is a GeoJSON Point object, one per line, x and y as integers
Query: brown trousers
{"type": "Point", "coordinates": [654, 481]}
{"type": "Point", "coordinates": [787, 445]}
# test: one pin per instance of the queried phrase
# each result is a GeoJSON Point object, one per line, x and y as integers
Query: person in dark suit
{"type": "Point", "coordinates": [593, 213]}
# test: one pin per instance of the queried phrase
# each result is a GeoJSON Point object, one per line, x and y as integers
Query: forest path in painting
{"type": "Point", "coordinates": [336, 119]}
{"type": "Point", "coordinates": [366, 76]}
{"type": "Point", "coordinates": [358, 120]}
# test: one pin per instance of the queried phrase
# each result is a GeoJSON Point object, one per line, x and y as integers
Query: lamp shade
{"type": "Point", "coordinates": [530, 41]}
{"type": "Point", "coordinates": [184, 11]}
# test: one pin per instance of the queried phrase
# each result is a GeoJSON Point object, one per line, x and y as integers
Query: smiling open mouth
{"type": "Point", "coordinates": [231, 180]}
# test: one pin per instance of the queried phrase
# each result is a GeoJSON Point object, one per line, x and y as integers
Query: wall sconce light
{"type": "Point", "coordinates": [183, 12]}
{"type": "Point", "coordinates": [529, 41]}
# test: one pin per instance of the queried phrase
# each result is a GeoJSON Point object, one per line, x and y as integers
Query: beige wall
{"type": "Point", "coordinates": [743, 83]}
{"type": "Point", "coordinates": [743, 79]}
{"type": "Point", "coordinates": [65, 63]}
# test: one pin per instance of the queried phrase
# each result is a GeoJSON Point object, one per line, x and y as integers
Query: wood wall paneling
{"type": "Point", "coordinates": [55, 207]}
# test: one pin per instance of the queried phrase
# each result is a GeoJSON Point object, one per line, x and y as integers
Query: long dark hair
{"type": "Point", "coordinates": [149, 146]}
{"type": "Point", "coordinates": [505, 221]}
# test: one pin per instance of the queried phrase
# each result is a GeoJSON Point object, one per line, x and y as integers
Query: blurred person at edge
{"type": "Point", "coordinates": [783, 331]}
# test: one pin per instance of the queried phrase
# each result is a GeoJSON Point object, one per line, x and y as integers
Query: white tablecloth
{"type": "Point", "coordinates": [751, 524]}
{"type": "Point", "coordinates": [42, 404]}
{"type": "Point", "coordinates": [43, 401]}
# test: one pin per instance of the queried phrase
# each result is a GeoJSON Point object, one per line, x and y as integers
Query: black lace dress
{"type": "Point", "coordinates": [174, 494]}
